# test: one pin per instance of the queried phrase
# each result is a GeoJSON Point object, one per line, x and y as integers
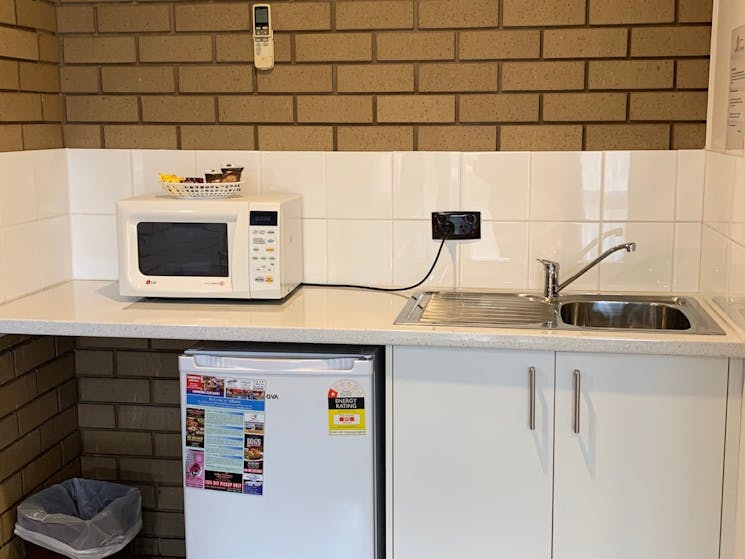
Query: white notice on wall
{"type": "Point", "coordinates": [736, 108]}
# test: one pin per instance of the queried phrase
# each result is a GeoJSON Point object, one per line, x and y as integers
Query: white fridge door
{"type": "Point", "coordinates": [314, 495]}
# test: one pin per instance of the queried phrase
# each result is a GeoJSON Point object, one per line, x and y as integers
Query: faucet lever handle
{"type": "Point", "coordinates": [548, 264]}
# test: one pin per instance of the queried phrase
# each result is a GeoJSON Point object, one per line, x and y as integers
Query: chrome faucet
{"type": "Point", "coordinates": [552, 286]}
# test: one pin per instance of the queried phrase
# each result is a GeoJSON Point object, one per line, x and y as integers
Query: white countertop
{"type": "Point", "coordinates": [313, 315]}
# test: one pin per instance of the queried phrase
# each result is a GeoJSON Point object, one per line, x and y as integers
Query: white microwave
{"type": "Point", "coordinates": [249, 247]}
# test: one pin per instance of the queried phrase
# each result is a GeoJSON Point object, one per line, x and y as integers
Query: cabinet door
{"type": "Point", "coordinates": [643, 477]}
{"type": "Point", "coordinates": [470, 478]}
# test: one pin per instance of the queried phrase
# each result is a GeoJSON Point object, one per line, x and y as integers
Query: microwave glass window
{"type": "Point", "coordinates": [183, 249]}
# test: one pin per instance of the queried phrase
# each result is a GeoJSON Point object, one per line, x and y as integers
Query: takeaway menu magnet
{"type": "Point", "coordinates": [224, 434]}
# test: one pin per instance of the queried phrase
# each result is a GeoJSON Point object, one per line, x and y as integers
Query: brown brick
{"type": "Point", "coordinates": [114, 390]}
{"type": "Point", "coordinates": [584, 107]}
{"type": "Point", "coordinates": [169, 108]}
{"type": "Point", "coordinates": [171, 547]}
{"type": "Point", "coordinates": [301, 16]}
{"type": "Point", "coordinates": [415, 45]}
{"type": "Point", "coordinates": [98, 467]}
{"type": "Point", "coordinates": [98, 49]}
{"type": "Point", "coordinates": [458, 13]}
{"type": "Point", "coordinates": [167, 444]}
{"type": "Point", "coordinates": [670, 41]}
{"type": "Point", "coordinates": [152, 418]}
{"type": "Point", "coordinates": [117, 442]}
{"type": "Point", "coordinates": [375, 138]}
{"type": "Point", "coordinates": [146, 364]}
{"type": "Point", "coordinates": [103, 108]}
{"type": "Point", "coordinates": [542, 76]}
{"type": "Point", "coordinates": [59, 427]}
{"type": "Point", "coordinates": [9, 78]}
{"type": "Point", "coordinates": [134, 18]}
{"type": "Point", "coordinates": [96, 415]}
{"type": "Point", "coordinates": [214, 79]}
{"type": "Point", "coordinates": [65, 344]}
{"type": "Point", "coordinates": [374, 14]}
{"type": "Point", "coordinates": [146, 546]}
{"type": "Point", "coordinates": [75, 19]}
{"type": "Point", "coordinates": [49, 48]}
{"type": "Point", "coordinates": [333, 47]}
{"type": "Point", "coordinates": [253, 108]}
{"type": "Point", "coordinates": [176, 48]}
{"type": "Point", "coordinates": [42, 468]}
{"type": "Point", "coordinates": [217, 137]}
{"type": "Point", "coordinates": [94, 363]}
{"type": "Point", "coordinates": [543, 12]}
{"type": "Point", "coordinates": [71, 449]}
{"type": "Point", "coordinates": [220, 16]}
{"type": "Point", "coordinates": [37, 411]}
{"type": "Point", "coordinates": [692, 74]}
{"type": "Point", "coordinates": [460, 138]}
{"type": "Point", "coordinates": [416, 108]}
{"type": "Point", "coordinates": [7, 11]}
{"type": "Point", "coordinates": [584, 43]}
{"type": "Point", "coordinates": [55, 372]}
{"type": "Point", "coordinates": [42, 136]}
{"type": "Point", "coordinates": [79, 79]}
{"type": "Point", "coordinates": [149, 469]}
{"type": "Point", "coordinates": [541, 138]}
{"type": "Point", "coordinates": [498, 44]}
{"type": "Point", "coordinates": [334, 108]}
{"type": "Point", "coordinates": [39, 77]}
{"type": "Point", "coordinates": [604, 12]}
{"type": "Point", "coordinates": [689, 136]}
{"type": "Point", "coordinates": [681, 105]}
{"type": "Point", "coordinates": [463, 76]}
{"type": "Point", "coordinates": [172, 345]}
{"type": "Point", "coordinates": [11, 137]}
{"type": "Point", "coordinates": [38, 14]}
{"type": "Point", "coordinates": [170, 498]}
{"type": "Point", "coordinates": [296, 138]}
{"type": "Point", "coordinates": [163, 523]}
{"type": "Point", "coordinates": [141, 137]}
{"type": "Point", "coordinates": [8, 434]}
{"type": "Point", "coordinates": [20, 107]}
{"type": "Point", "coordinates": [33, 353]}
{"type": "Point", "coordinates": [68, 394]}
{"type": "Point", "coordinates": [19, 454]}
{"type": "Point", "coordinates": [238, 47]}
{"type": "Point", "coordinates": [690, 11]}
{"type": "Point", "coordinates": [11, 491]}
{"type": "Point", "coordinates": [630, 74]}
{"type": "Point", "coordinates": [296, 79]}
{"type": "Point", "coordinates": [137, 79]}
{"type": "Point", "coordinates": [82, 135]}
{"type": "Point", "coordinates": [53, 107]}
{"type": "Point", "coordinates": [165, 391]}
{"type": "Point", "coordinates": [499, 107]}
{"type": "Point", "coordinates": [375, 78]}
{"type": "Point", "coordinates": [18, 43]}
{"type": "Point", "coordinates": [7, 367]}
{"type": "Point", "coordinates": [112, 343]}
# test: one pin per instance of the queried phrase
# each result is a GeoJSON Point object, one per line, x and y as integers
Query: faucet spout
{"type": "Point", "coordinates": [551, 268]}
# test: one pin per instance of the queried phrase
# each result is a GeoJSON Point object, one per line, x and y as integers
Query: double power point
{"type": "Point", "coordinates": [456, 225]}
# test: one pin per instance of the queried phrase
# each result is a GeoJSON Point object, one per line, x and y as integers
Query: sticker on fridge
{"type": "Point", "coordinates": [346, 401]}
{"type": "Point", "coordinates": [194, 466]}
{"type": "Point", "coordinates": [195, 427]}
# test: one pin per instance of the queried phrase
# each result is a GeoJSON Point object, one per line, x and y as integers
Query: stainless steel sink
{"type": "Point", "coordinates": [582, 312]}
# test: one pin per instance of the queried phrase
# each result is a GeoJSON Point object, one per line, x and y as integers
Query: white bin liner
{"type": "Point", "coordinates": [80, 518]}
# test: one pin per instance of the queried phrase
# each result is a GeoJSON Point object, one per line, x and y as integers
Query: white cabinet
{"type": "Point", "coordinates": [643, 477]}
{"type": "Point", "coordinates": [470, 477]}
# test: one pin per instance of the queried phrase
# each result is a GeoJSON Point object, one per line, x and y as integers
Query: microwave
{"type": "Point", "coordinates": [248, 247]}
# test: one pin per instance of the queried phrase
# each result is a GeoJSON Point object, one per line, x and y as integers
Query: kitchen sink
{"type": "Point", "coordinates": [581, 312]}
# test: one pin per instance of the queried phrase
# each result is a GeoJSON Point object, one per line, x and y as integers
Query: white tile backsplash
{"type": "Point", "coordinates": [367, 215]}
{"type": "Point", "coordinates": [425, 182]}
{"type": "Point", "coordinates": [20, 262]}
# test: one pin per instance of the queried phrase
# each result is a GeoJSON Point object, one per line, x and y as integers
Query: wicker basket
{"type": "Point", "coordinates": [202, 189]}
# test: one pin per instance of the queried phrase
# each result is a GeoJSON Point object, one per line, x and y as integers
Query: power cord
{"type": "Point", "coordinates": [392, 289]}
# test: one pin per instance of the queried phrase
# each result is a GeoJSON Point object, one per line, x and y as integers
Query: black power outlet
{"type": "Point", "coordinates": [456, 225]}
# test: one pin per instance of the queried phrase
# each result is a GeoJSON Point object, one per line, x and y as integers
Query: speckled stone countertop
{"type": "Point", "coordinates": [315, 315]}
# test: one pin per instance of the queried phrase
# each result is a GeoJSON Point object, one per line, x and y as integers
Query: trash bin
{"type": "Point", "coordinates": [81, 519]}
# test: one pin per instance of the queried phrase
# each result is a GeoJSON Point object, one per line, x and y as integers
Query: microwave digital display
{"type": "Point", "coordinates": [183, 249]}
{"type": "Point", "coordinates": [262, 218]}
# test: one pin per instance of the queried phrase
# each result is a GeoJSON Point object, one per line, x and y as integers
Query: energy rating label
{"type": "Point", "coordinates": [346, 400]}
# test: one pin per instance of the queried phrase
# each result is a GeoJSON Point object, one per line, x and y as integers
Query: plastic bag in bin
{"type": "Point", "coordinates": [81, 518]}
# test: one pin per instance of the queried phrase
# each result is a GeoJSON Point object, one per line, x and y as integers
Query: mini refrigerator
{"type": "Point", "coordinates": [283, 452]}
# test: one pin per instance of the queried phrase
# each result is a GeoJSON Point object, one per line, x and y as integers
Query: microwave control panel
{"type": "Point", "coordinates": [264, 254]}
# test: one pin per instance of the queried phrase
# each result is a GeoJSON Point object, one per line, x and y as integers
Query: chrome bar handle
{"type": "Point", "coordinates": [531, 412]}
{"type": "Point", "coordinates": [577, 390]}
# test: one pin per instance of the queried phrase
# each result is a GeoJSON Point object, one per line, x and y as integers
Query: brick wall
{"type": "Point", "coordinates": [31, 107]}
{"type": "Point", "coordinates": [388, 75]}
{"type": "Point", "coordinates": [39, 442]}
{"type": "Point", "coordinates": [130, 427]}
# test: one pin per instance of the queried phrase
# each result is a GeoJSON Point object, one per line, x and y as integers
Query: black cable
{"type": "Point", "coordinates": [389, 289]}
